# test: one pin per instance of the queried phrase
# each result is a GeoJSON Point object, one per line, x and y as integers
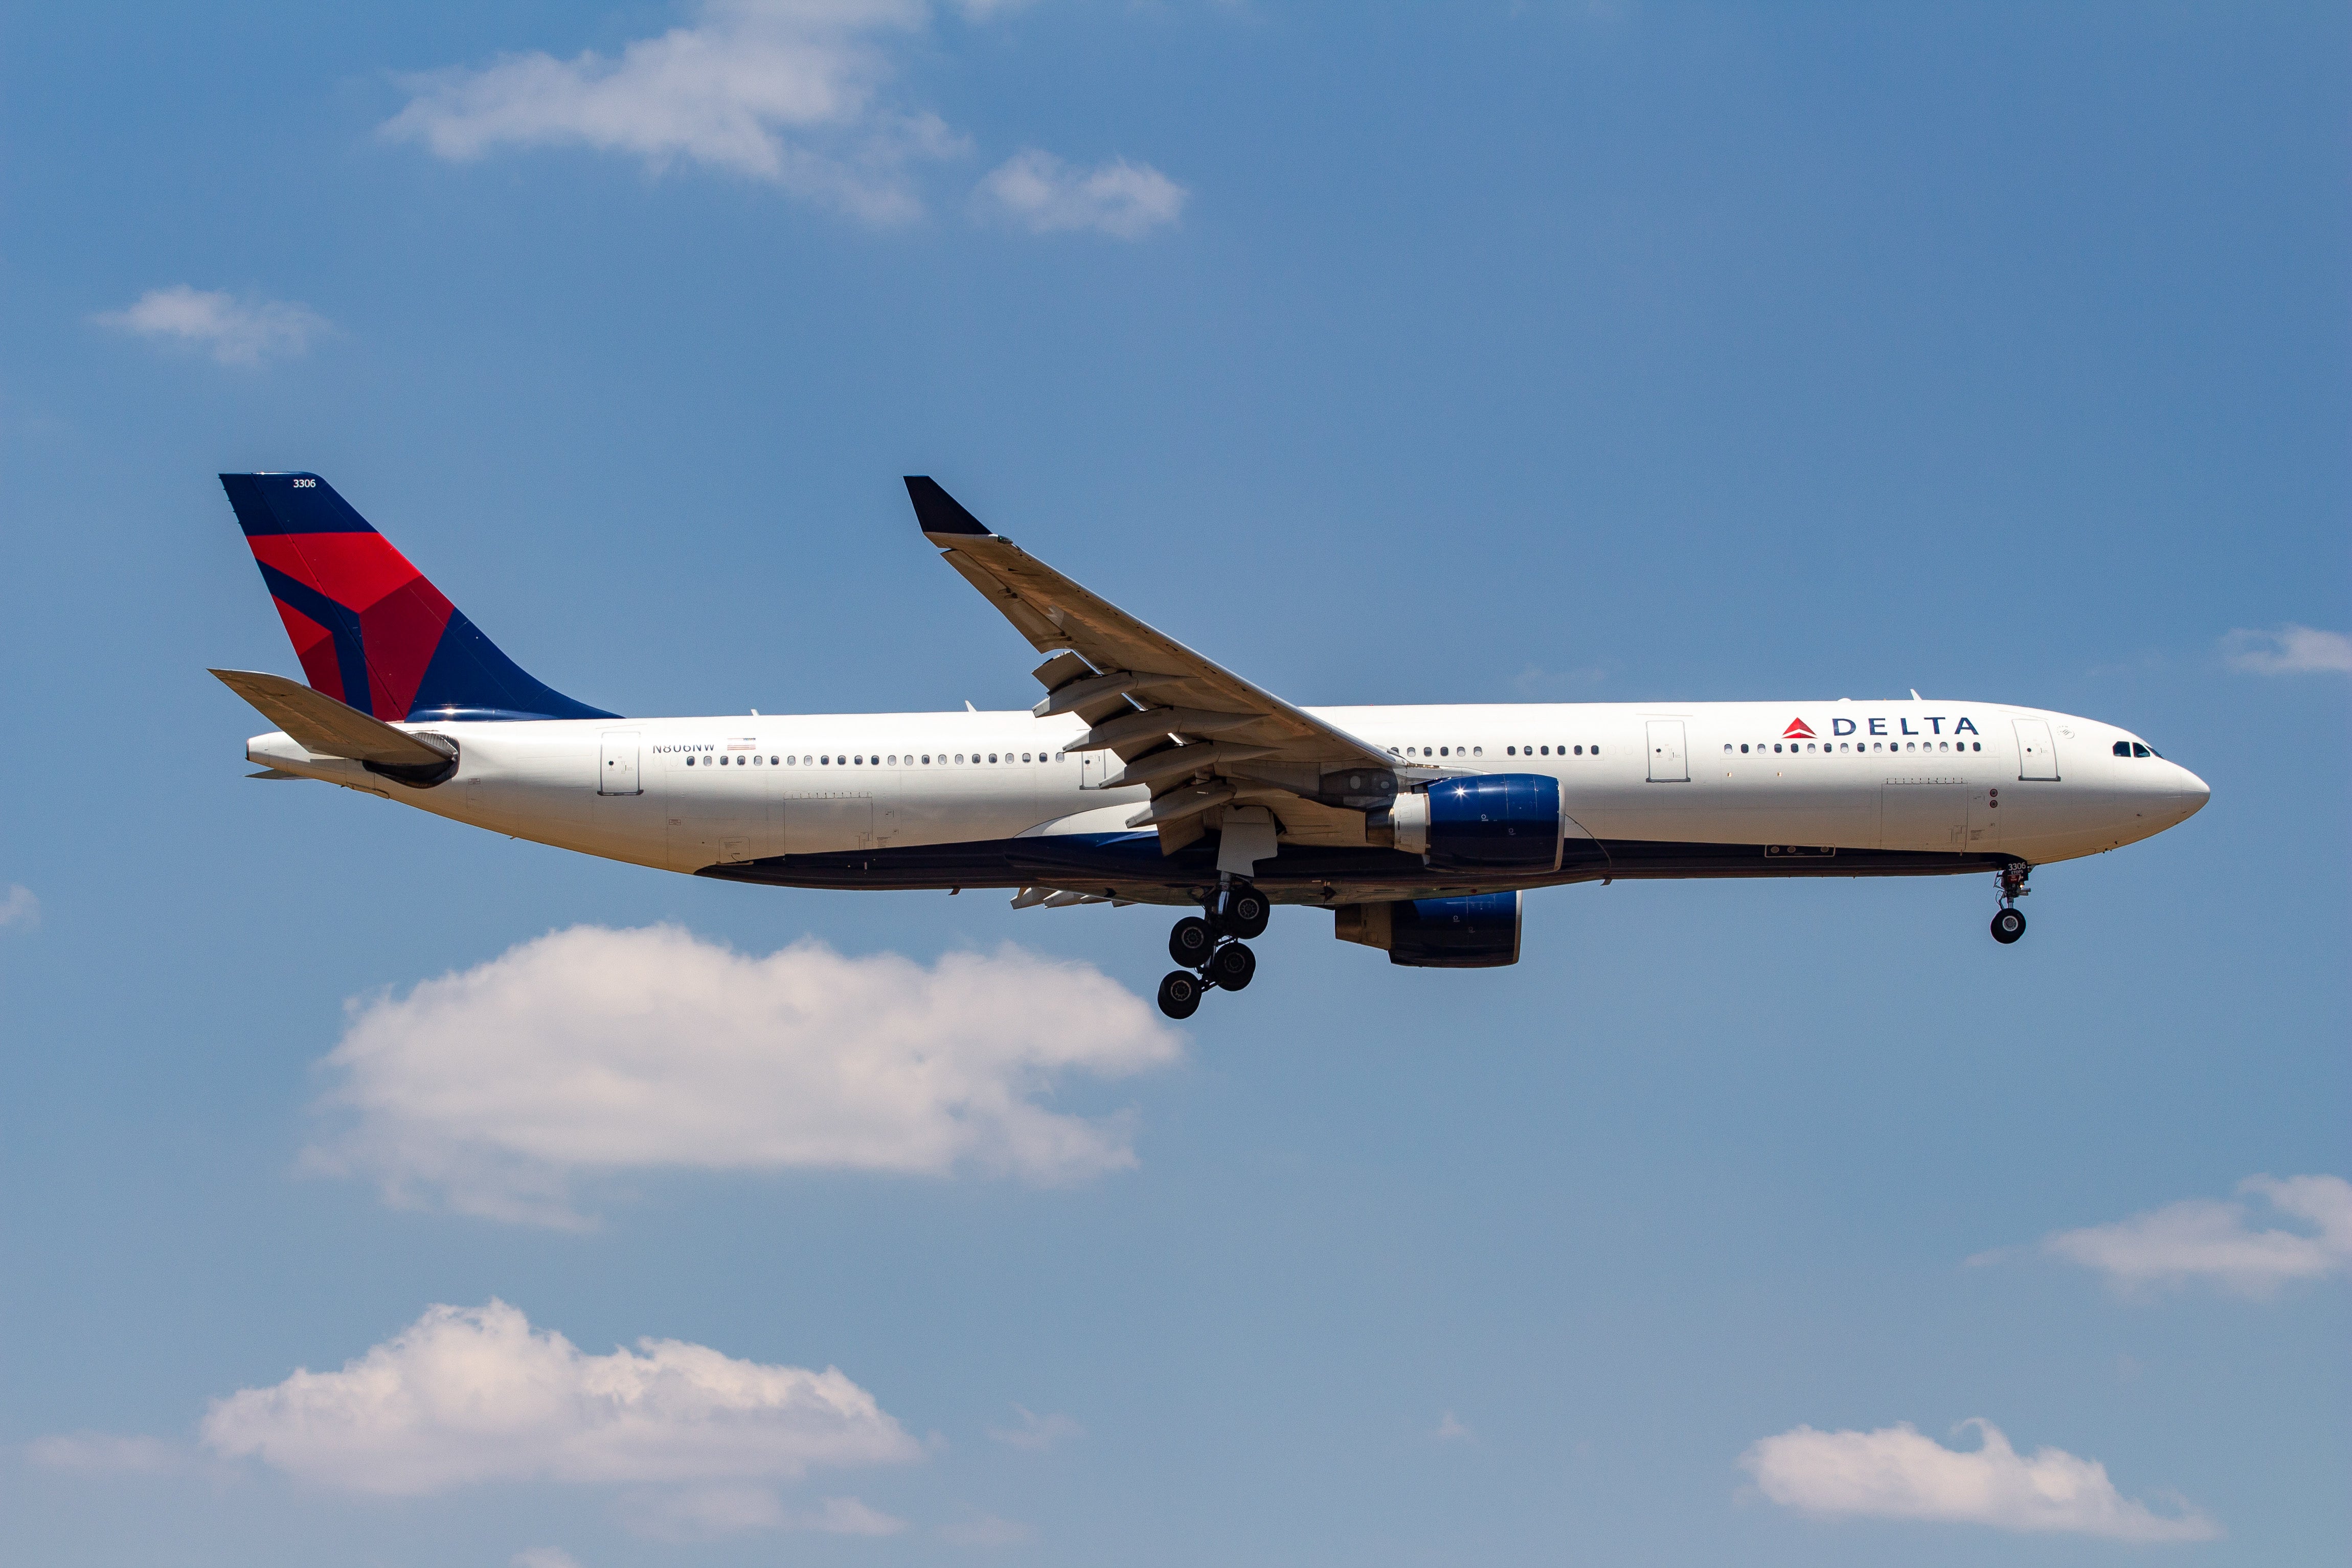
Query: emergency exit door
{"type": "Point", "coordinates": [616, 771]}
{"type": "Point", "coordinates": [2036, 757]}
{"type": "Point", "coordinates": [1669, 762]}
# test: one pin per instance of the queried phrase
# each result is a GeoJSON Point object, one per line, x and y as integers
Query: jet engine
{"type": "Point", "coordinates": [1481, 932]}
{"type": "Point", "coordinates": [1494, 821]}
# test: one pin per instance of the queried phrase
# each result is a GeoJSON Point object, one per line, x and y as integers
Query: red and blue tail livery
{"type": "Point", "coordinates": [369, 630]}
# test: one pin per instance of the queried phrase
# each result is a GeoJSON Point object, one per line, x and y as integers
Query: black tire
{"type": "Point", "coordinates": [1191, 942]}
{"type": "Point", "coordinates": [1234, 966]}
{"type": "Point", "coordinates": [2008, 926]}
{"type": "Point", "coordinates": [1245, 912]}
{"type": "Point", "coordinates": [1179, 994]}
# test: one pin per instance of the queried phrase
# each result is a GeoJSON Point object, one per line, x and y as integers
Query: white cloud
{"type": "Point", "coordinates": [847, 1516]}
{"type": "Point", "coordinates": [1036, 1433]}
{"type": "Point", "coordinates": [1449, 1430]}
{"type": "Point", "coordinates": [108, 1453]}
{"type": "Point", "coordinates": [592, 1051]}
{"type": "Point", "coordinates": [2288, 650]}
{"type": "Point", "coordinates": [2210, 1241]}
{"type": "Point", "coordinates": [987, 1530]}
{"type": "Point", "coordinates": [543, 1557]}
{"type": "Point", "coordinates": [785, 91]}
{"type": "Point", "coordinates": [1895, 1473]}
{"type": "Point", "coordinates": [1124, 200]}
{"type": "Point", "coordinates": [468, 1396]}
{"type": "Point", "coordinates": [705, 1511]}
{"type": "Point", "coordinates": [19, 907]}
{"type": "Point", "coordinates": [236, 331]}
{"type": "Point", "coordinates": [789, 92]}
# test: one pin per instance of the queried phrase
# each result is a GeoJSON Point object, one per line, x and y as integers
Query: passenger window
{"type": "Point", "coordinates": [1743, 751]}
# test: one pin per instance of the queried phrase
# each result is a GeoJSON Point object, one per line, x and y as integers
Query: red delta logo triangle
{"type": "Point", "coordinates": [1797, 730]}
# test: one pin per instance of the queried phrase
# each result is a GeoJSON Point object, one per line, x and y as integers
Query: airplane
{"type": "Point", "coordinates": [1148, 774]}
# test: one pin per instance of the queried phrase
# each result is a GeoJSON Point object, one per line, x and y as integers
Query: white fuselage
{"type": "Point", "coordinates": [1965, 779]}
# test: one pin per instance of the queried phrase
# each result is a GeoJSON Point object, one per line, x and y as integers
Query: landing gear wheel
{"type": "Point", "coordinates": [1179, 994]}
{"type": "Point", "coordinates": [1246, 912]}
{"type": "Point", "coordinates": [1191, 942]}
{"type": "Point", "coordinates": [1234, 966]}
{"type": "Point", "coordinates": [2008, 926]}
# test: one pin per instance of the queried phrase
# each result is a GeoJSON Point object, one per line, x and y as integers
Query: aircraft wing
{"type": "Point", "coordinates": [1200, 736]}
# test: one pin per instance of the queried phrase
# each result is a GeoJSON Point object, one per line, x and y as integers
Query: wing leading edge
{"type": "Point", "coordinates": [1204, 740]}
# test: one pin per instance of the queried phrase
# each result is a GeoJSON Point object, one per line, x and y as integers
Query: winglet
{"type": "Point", "coordinates": [942, 516]}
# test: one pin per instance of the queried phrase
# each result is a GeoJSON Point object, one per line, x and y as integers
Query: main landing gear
{"type": "Point", "coordinates": [2009, 924]}
{"type": "Point", "coordinates": [1211, 949]}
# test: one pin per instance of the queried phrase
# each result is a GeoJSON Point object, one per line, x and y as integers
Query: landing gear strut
{"type": "Point", "coordinates": [1208, 948]}
{"type": "Point", "coordinates": [2009, 923]}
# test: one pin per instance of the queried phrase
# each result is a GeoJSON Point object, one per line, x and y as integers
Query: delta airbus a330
{"type": "Point", "coordinates": [1148, 775]}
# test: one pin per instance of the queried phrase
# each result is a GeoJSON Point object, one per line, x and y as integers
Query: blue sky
{"type": "Point", "coordinates": [1500, 353]}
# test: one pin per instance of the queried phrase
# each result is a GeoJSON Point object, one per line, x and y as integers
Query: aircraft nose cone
{"type": "Point", "coordinates": [2190, 792]}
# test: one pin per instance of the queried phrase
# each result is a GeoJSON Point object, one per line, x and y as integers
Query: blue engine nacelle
{"type": "Point", "coordinates": [1481, 932]}
{"type": "Point", "coordinates": [1495, 822]}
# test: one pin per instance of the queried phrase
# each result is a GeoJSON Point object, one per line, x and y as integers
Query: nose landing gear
{"type": "Point", "coordinates": [1209, 949]}
{"type": "Point", "coordinates": [2009, 923]}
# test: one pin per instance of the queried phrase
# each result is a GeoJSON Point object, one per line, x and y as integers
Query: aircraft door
{"type": "Point", "coordinates": [1923, 814]}
{"type": "Point", "coordinates": [1669, 762]}
{"type": "Point", "coordinates": [2037, 757]}
{"type": "Point", "coordinates": [820, 820]}
{"type": "Point", "coordinates": [616, 772]}
{"type": "Point", "coordinates": [1094, 767]}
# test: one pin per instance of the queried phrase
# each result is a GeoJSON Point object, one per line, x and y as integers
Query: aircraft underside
{"type": "Point", "coordinates": [1130, 867]}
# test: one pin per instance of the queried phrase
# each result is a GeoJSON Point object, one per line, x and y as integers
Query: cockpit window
{"type": "Point", "coordinates": [2135, 748]}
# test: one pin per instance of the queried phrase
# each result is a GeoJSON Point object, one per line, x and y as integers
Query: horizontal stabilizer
{"type": "Point", "coordinates": [325, 727]}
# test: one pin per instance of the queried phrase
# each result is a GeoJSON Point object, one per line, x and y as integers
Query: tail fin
{"type": "Point", "coordinates": [369, 630]}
